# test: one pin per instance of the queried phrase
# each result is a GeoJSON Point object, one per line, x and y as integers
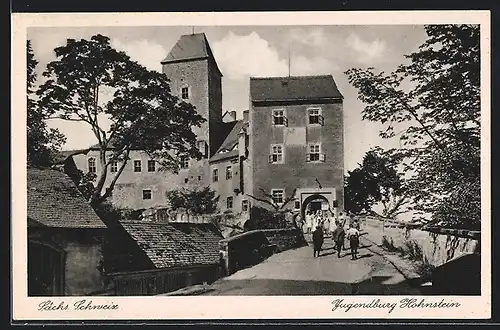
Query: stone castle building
{"type": "Point", "coordinates": [290, 139]}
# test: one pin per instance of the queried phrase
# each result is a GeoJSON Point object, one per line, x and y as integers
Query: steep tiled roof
{"type": "Point", "coordinates": [226, 148]}
{"type": "Point", "coordinates": [55, 201]}
{"type": "Point", "coordinates": [63, 155]}
{"type": "Point", "coordinates": [176, 244]}
{"type": "Point", "coordinates": [293, 88]}
{"type": "Point", "coordinates": [190, 47]}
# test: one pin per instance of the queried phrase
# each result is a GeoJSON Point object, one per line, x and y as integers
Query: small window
{"type": "Point", "coordinates": [137, 166]}
{"type": "Point", "coordinates": [229, 173]}
{"type": "Point", "coordinates": [202, 148]}
{"type": "Point", "coordinates": [297, 205]}
{"type": "Point", "coordinates": [276, 155]}
{"type": "Point", "coordinates": [186, 180]}
{"type": "Point", "coordinates": [244, 205]}
{"type": "Point", "coordinates": [278, 195]}
{"type": "Point", "coordinates": [215, 175]}
{"type": "Point", "coordinates": [314, 151]}
{"type": "Point", "coordinates": [92, 167]}
{"type": "Point", "coordinates": [229, 202]}
{"type": "Point", "coordinates": [314, 154]}
{"type": "Point", "coordinates": [151, 165]}
{"type": "Point", "coordinates": [146, 194]}
{"type": "Point", "coordinates": [279, 118]}
{"type": "Point", "coordinates": [114, 167]}
{"type": "Point", "coordinates": [185, 93]}
{"type": "Point", "coordinates": [314, 116]}
{"type": "Point", "coordinates": [184, 161]}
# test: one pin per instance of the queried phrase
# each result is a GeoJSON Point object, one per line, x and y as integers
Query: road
{"type": "Point", "coordinates": [297, 272]}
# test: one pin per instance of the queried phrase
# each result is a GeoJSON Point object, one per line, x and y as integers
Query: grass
{"type": "Point", "coordinates": [413, 252]}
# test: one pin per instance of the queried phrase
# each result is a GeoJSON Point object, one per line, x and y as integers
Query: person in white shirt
{"type": "Point", "coordinates": [352, 235]}
{"type": "Point", "coordinates": [333, 222]}
{"type": "Point", "coordinates": [308, 222]}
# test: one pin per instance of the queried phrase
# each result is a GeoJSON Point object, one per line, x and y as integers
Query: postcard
{"type": "Point", "coordinates": [271, 165]}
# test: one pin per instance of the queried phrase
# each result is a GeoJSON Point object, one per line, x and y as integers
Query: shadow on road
{"type": "Point", "coordinates": [374, 286]}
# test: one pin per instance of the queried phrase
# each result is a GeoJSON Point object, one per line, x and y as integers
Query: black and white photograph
{"type": "Point", "coordinates": [280, 158]}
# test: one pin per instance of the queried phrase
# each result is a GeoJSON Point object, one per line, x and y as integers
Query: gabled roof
{"type": "Point", "coordinates": [293, 88]}
{"type": "Point", "coordinates": [55, 201]}
{"type": "Point", "coordinates": [190, 47]}
{"type": "Point", "coordinates": [226, 150]}
{"type": "Point", "coordinates": [176, 244]}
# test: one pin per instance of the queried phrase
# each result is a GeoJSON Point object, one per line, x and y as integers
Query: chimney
{"type": "Point", "coordinates": [229, 116]}
{"type": "Point", "coordinates": [245, 115]}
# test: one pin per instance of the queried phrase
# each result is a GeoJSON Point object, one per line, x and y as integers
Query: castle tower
{"type": "Point", "coordinates": [196, 78]}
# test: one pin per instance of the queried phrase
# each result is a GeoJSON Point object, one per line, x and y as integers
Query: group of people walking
{"type": "Point", "coordinates": [339, 235]}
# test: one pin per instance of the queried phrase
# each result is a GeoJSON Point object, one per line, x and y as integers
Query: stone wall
{"type": "Point", "coordinates": [254, 246]}
{"type": "Point", "coordinates": [83, 257]}
{"type": "Point", "coordinates": [438, 245]}
{"type": "Point", "coordinates": [285, 239]}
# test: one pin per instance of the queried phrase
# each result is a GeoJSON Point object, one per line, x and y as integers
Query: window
{"type": "Point", "coordinates": [229, 173]}
{"type": "Point", "coordinates": [244, 205]}
{"type": "Point", "coordinates": [114, 166]}
{"type": "Point", "coordinates": [297, 205]}
{"type": "Point", "coordinates": [229, 202]}
{"type": "Point", "coordinates": [315, 154]}
{"type": "Point", "coordinates": [151, 165]}
{"type": "Point", "coordinates": [279, 118]}
{"type": "Point", "coordinates": [276, 155]}
{"type": "Point", "coordinates": [92, 167]}
{"type": "Point", "coordinates": [202, 147]}
{"type": "Point", "coordinates": [184, 160]}
{"type": "Point", "coordinates": [185, 92]}
{"type": "Point", "coordinates": [278, 195]}
{"type": "Point", "coordinates": [315, 117]}
{"type": "Point", "coordinates": [137, 166]}
{"type": "Point", "coordinates": [146, 194]}
{"type": "Point", "coordinates": [215, 175]}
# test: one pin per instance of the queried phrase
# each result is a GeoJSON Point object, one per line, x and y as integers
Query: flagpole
{"type": "Point", "coordinates": [289, 59]}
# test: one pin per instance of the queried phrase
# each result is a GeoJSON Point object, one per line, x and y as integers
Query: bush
{"type": "Point", "coordinates": [196, 201]}
{"type": "Point", "coordinates": [262, 218]}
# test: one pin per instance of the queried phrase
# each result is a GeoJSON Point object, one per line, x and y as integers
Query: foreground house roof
{"type": "Point", "coordinates": [176, 244]}
{"type": "Point", "coordinates": [190, 47]}
{"type": "Point", "coordinates": [55, 201]}
{"type": "Point", "coordinates": [276, 89]}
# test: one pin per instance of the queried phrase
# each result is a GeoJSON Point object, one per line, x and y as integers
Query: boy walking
{"type": "Point", "coordinates": [318, 239]}
{"type": "Point", "coordinates": [338, 236]}
{"type": "Point", "coordinates": [353, 237]}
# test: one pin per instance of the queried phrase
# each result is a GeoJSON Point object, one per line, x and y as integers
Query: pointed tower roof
{"type": "Point", "coordinates": [191, 47]}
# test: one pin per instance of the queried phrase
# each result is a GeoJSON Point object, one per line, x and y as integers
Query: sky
{"type": "Point", "coordinates": [244, 51]}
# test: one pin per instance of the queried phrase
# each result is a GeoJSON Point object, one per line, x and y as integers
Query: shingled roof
{"type": "Point", "coordinates": [191, 47]}
{"type": "Point", "coordinates": [226, 150]}
{"type": "Point", "coordinates": [176, 244]}
{"type": "Point", "coordinates": [293, 88]}
{"type": "Point", "coordinates": [55, 201]}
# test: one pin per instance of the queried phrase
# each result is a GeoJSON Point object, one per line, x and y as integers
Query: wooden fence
{"type": "Point", "coordinates": [158, 281]}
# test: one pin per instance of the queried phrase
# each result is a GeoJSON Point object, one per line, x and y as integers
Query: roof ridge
{"type": "Point", "coordinates": [292, 77]}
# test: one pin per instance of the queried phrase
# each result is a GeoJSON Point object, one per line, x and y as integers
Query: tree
{"type": "Point", "coordinates": [42, 143]}
{"type": "Point", "coordinates": [436, 97]}
{"type": "Point", "coordinates": [275, 217]}
{"type": "Point", "coordinates": [376, 180]}
{"type": "Point", "coordinates": [269, 200]}
{"type": "Point", "coordinates": [91, 81]}
{"type": "Point", "coordinates": [197, 201]}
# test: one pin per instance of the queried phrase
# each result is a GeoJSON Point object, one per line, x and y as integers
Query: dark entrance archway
{"type": "Point", "coordinates": [314, 202]}
{"type": "Point", "coordinates": [45, 270]}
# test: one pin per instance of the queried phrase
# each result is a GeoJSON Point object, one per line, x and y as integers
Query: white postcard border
{"type": "Point", "coordinates": [237, 307]}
